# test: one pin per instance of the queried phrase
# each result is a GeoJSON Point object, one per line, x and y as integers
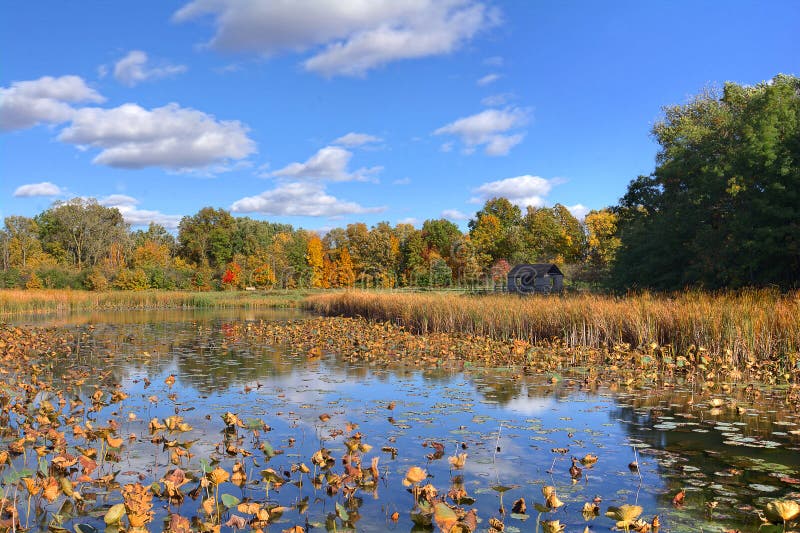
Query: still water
{"type": "Point", "coordinates": [519, 431]}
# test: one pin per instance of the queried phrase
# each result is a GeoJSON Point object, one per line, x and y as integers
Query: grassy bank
{"type": "Point", "coordinates": [734, 327]}
{"type": "Point", "coordinates": [14, 302]}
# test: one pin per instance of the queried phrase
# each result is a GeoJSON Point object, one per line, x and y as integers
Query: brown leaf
{"type": "Point", "coordinates": [218, 476]}
{"type": "Point", "coordinates": [236, 522]}
{"type": "Point", "coordinates": [178, 524]}
{"type": "Point", "coordinates": [414, 475]}
{"type": "Point", "coordinates": [51, 489]}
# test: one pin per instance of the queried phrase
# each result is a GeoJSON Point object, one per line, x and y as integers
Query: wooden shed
{"type": "Point", "coordinates": [541, 278]}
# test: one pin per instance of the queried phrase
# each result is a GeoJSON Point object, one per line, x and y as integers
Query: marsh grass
{"type": "Point", "coordinates": [14, 302]}
{"type": "Point", "coordinates": [736, 327]}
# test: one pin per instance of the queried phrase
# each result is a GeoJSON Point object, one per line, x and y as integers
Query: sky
{"type": "Point", "coordinates": [320, 113]}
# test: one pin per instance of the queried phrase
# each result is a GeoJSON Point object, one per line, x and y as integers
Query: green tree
{"type": "Point", "coordinates": [83, 228]}
{"type": "Point", "coordinates": [497, 232]}
{"type": "Point", "coordinates": [722, 208]}
{"type": "Point", "coordinates": [207, 237]}
{"type": "Point", "coordinates": [441, 236]}
{"type": "Point", "coordinates": [155, 233]}
{"type": "Point", "coordinates": [508, 214]}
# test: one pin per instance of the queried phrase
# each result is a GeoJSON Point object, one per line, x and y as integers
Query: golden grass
{"type": "Point", "coordinates": [734, 327]}
{"type": "Point", "coordinates": [14, 302]}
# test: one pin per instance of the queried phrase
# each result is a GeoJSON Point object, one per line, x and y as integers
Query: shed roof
{"type": "Point", "coordinates": [542, 269]}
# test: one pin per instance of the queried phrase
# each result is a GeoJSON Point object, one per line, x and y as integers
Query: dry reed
{"type": "Point", "coordinates": [733, 327]}
{"type": "Point", "coordinates": [13, 302]}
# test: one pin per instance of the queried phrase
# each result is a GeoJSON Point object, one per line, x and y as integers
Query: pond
{"type": "Point", "coordinates": [489, 435]}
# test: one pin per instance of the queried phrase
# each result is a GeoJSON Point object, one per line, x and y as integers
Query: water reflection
{"type": "Point", "coordinates": [734, 452]}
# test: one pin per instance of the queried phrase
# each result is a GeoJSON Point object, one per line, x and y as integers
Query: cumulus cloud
{"type": "Point", "coordinates": [409, 220]}
{"type": "Point", "coordinates": [171, 136]}
{"type": "Point", "coordinates": [353, 139]}
{"type": "Point", "coordinates": [454, 214]}
{"type": "Point", "coordinates": [522, 190]}
{"type": "Point", "coordinates": [299, 199]}
{"type": "Point", "coordinates": [329, 163]}
{"type": "Point", "coordinates": [489, 78]}
{"type": "Point", "coordinates": [488, 129]}
{"type": "Point", "coordinates": [46, 100]}
{"type": "Point", "coordinates": [44, 188]}
{"type": "Point", "coordinates": [345, 38]}
{"type": "Point", "coordinates": [138, 217]}
{"type": "Point", "coordinates": [579, 211]}
{"type": "Point", "coordinates": [133, 69]}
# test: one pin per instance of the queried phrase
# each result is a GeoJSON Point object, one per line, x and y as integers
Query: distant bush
{"type": "Point", "coordinates": [10, 279]}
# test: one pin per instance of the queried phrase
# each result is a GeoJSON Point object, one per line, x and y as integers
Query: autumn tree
{"type": "Point", "coordinates": [232, 278]}
{"type": "Point", "coordinates": [345, 274]}
{"type": "Point", "coordinates": [602, 238]}
{"type": "Point", "coordinates": [316, 261]}
{"type": "Point", "coordinates": [264, 277]}
{"type": "Point", "coordinates": [22, 244]}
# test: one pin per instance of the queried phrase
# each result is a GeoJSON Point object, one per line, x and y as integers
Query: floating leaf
{"type": "Point", "coordinates": [444, 516]}
{"type": "Point", "coordinates": [229, 500]}
{"type": "Point", "coordinates": [552, 526]}
{"type": "Point", "coordinates": [625, 515]}
{"type": "Point", "coordinates": [342, 513]}
{"type": "Point", "coordinates": [114, 514]}
{"type": "Point", "coordinates": [782, 511]}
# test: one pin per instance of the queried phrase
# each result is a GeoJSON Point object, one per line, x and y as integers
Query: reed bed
{"type": "Point", "coordinates": [735, 327]}
{"type": "Point", "coordinates": [15, 302]}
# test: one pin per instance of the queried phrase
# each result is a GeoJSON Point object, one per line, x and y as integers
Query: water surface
{"type": "Point", "coordinates": [519, 431]}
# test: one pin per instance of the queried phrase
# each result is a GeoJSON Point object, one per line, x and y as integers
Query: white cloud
{"type": "Point", "coordinates": [454, 214]}
{"type": "Point", "coordinates": [402, 181]}
{"type": "Point", "coordinates": [345, 38]}
{"type": "Point", "coordinates": [44, 188]}
{"type": "Point", "coordinates": [299, 199]}
{"type": "Point", "coordinates": [579, 211]}
{"type": "Point", "coordinates": [488, 128]}
{"type": "Point", "coordinates": [329, 163]}
{"type": "Point", "coordinates": [522, 190]}
{"type": "Point", "coordinates": [173, 137]}
{"type": "Point", "coordinates": [46, 100]}
{"type": "Point", "coordinates": [132, 69]}
{"type": "Point", "coordinates": [138, 217]}
{"type": "Point", "coordinates": [502, 144]}
{"type": "Point", "coordinates": [409, 220]}
{"type": "Point", "coordinates": [353, 139]}
{"type": "Point", "coordinates": [497, 100]}
{"type": "Point", "coordinates": [489, 78]}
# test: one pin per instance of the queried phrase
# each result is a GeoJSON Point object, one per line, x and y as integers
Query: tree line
{"type": "Point", "coordinates": [82, 244]}
{"type": "Point", "coordinates": [720, 210]}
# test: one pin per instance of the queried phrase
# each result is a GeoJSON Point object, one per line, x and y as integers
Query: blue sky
{"type": "Point", "coordinates": [321, 113]}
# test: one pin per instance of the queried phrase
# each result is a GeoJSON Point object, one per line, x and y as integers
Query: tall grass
{"type": "Point", "coordinates": [14, 302]}
{"type": "Point", "coordinates": [736, 326]}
